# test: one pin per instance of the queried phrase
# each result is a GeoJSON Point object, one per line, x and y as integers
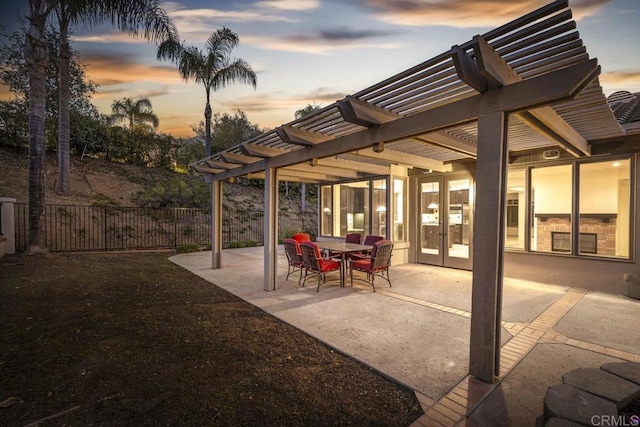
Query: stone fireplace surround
{"type": "Point", "coordinates": [603, 226]}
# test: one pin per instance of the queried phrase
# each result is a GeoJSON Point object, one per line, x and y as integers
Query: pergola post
{"type": "Point", "coordinates": [488, 246]}
{"type": "Point", "coordinates": [270, 228]}
{"type": "Point", "coordinates": [216, 224]}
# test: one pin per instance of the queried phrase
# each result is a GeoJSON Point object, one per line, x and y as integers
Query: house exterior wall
{"type": "Point", "coordinates": [610, 275]}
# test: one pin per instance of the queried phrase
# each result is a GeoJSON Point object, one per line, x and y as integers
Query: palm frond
{"type": "Point", "coordinates": [238, 70]}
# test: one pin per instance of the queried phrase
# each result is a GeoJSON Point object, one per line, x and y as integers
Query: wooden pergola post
{"type": "Point", "coordinates": [216, 224]}
{"type": "Point", "coordinates": [270, 228]}
{"type": "Point", "coordinates": [488, 246]}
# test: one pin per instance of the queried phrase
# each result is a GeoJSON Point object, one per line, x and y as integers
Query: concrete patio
{"type": "Point", "coordinates": [417, 332]}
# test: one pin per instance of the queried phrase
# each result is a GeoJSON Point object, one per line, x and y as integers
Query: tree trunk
{"type": "Point", "coordinates": [303, 190]}
{"type": "Point", "coordinates": [207, 127]}
{"type": "Point", "coordinates": [63, 183]}
{"type": "Point", "coordinates": [36, 58]}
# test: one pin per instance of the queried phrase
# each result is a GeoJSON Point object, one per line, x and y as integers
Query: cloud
{"type": "Point", "coordinates": [465, 13]}
{"type": "Point", "coordinates": [620, 80]}
{"type": "Point", "coordinates": [257, 104]}
{"type": "Point", "coordinates": [107, 38]}
{"type": "Point", "coordinates": [110, 69]}
{"type": "Point", "coordinates": [324, 42]}
{"type": "Point", "coordinates": [289, 4]}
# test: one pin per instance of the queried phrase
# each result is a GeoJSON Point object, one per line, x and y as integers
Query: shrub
{"type": "Point", "coordinates": [189, 247]}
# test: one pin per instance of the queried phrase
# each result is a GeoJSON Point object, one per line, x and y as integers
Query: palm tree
{"type": "Point", "coordinates": [36, 58]}
{"type": "Point", "coordinates": [137, 113]}
{"type": "Point", "coordinates": [131, 16]}
{"type": "Point", "coordinates": [213, 68]}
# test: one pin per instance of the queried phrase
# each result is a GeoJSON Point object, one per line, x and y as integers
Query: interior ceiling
{"type": "Point", "coordinates": [542, 42]}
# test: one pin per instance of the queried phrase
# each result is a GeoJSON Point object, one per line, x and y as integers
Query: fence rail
{"type": "Point", "coordinates": [109, 228]}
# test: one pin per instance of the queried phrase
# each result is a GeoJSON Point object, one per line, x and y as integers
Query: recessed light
{"type": "Point", "coordinates": [616, 164]}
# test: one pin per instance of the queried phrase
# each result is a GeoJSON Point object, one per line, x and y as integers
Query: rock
{"type": "Point", "coordinates": [570, 403]}
{"type": "Point", "coordinates": [630, 371]}
{"type": "Point", "coordinates": [604, 384]}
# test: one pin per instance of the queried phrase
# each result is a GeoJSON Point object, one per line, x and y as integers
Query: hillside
{"type": "Point", "coordinates": [99, 181]}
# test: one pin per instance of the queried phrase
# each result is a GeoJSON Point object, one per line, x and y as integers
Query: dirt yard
{"type": "Point", "coordinates": [131, 339]}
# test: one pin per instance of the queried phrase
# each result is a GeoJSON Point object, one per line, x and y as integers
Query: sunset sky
{"type": "Point", "coordinates": [307, 51]}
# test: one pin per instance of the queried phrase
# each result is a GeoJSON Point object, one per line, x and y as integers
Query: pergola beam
{"type": "Point", "coordinates": [205, 169]}
{"type": "Point", "coordinates": [545, 120]}
{"type": "Point", "coordinates": [297, 136]}
{"type": "Point", "coordinates": [555, 86]}
{"type": "Point", "coordinates": [260, 150]}
{"type": "Point", "coordinates": [359, 112]}
{"type": "Point", "coordinates": [216, 164]}
{"type": "Point", "coordinates": [412, 160]}
{"type": "Point", "coordinates": [239, 159]}
{"type": "Point", "coordinates": [353, 165]}
{"type": "Point", "coordinates": [328, 171]}
{"type": "Point", "coordinates": [287, 178]}
{"type": "Point", "coordinates": [449, 142]}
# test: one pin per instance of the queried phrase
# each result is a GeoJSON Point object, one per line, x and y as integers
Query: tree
{"type": "Point", "coordinates": [131, 16]}
{"type": "Point", "coordinates": [307, 110]}
{"type": "Point", "coordinates": [137, 113]}
{"type": "Point", "coordinates": [213, 68]}
{"type": "Point", "coordinates": [303, 112]}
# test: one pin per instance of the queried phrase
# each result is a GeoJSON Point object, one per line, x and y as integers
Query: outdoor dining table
{"type": "Point", "coordinates": [344, 249]}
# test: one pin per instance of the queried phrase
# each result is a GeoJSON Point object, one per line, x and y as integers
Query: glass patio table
{"type": "Point", "coordinates": [344, 249]}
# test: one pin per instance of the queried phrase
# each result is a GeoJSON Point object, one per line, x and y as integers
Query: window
{"type": "Point", "coordinates": [379, 212]}
{"type": "Point", "coordinates": [605, 201]}
{"type": "Point", "coordinates": [326, 210]}
{"type": "Point", "coordinates": [516, 209]}
{"type": "Point", "coordinates": [551, 196]}
{"type": "Point", "coordinates": [354, 207]}
{"type": "Point", "coordinates": [398, 210]}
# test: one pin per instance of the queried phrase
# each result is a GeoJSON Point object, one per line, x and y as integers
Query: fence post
{"type": "Point", "coordinates": [175, 227]}
{"type": "Point", "coordinates": [106, 247]}
{"type": "Point", "coordinates": [7, 224]}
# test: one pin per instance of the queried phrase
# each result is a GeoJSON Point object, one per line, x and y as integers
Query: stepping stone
{"type": "Point", "coordinates": [604, 384]}
{"type": "Point", "coordinates": [559, 422]}
{"type": "Point", "coordinates": [573, 404]}
{"type": "Point", "coordinates": [630, 371]}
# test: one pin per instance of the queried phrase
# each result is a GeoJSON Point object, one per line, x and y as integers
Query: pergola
{"type": "Point", "coordinates": [525, 86]}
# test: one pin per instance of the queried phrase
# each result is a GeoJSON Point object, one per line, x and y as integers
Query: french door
{"type": "Point", "coordinates": [445, 220]}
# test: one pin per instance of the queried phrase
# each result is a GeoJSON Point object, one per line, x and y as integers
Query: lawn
{"type": "Point", "coordinates": [131, 339]}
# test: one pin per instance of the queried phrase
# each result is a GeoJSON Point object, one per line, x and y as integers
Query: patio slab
{"type": "Point", "coordinates": [523, 300]}
{"type": "Point", "coordinates": [417, 332]}
{"type": "Point", "coordinates": [609, 320]}
{"type": "Point", "coordinates": [424, 348]}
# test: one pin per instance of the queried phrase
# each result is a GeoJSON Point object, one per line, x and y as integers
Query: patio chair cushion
{"type": "Point", "coordinates": [301, 237]}
{"type": "Point", "coordinates": [353, 238]}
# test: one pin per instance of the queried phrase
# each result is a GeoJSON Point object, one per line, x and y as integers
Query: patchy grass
{"type": "Point", "coordinates": [131, 339]}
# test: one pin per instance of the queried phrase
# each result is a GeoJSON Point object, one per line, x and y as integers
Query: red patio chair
{"type": "Point", "coordinates": [294, 257]}
{"type": "Point", "coordinates": [301, 237]}
{"type": "Point", "coordinates": [315, 264]}
{"type": "Point", "coordinates": [353, 238]}
{"type": "Point", "coordinates": [377, 265]}
{"type": "Point", "coordinates": [369, 240]}
{"type": "Point", "coordinates": [350, 238]}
